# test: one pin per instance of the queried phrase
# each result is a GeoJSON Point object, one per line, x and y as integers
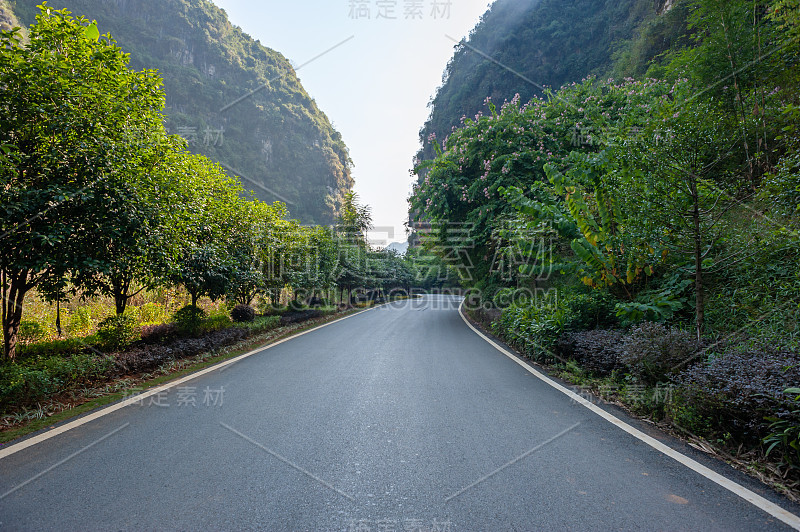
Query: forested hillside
{"type": "Point", "coordinates": [277, 140]}
{"type": "Point", "coordinates": [532, 44]}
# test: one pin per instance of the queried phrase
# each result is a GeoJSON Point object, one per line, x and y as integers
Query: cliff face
{"type": "Point", "coordinates": [8, 19]}
{"type": "Point", "coordinates": [662, 6]}
{"type": "Point", "coordinates": [231, 98]}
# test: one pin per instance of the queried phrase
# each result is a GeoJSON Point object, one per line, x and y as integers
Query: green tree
{"type": "Point", "coordinates": [251, 249]}
{"type": "Point", "coordinates": [207, 221]}
{"type": "Point", "coordinates": [275, 248]}
{"type": "Point", "coordinates": [355, 220]}
{"type": "Point", "coordinates": [142, 261]}
{"type": "Point", "coordinates": [460, 191]}
{"type": "Point", "coordinates": [74, 117]}
{"type": "Point", "coordinates": [579, 207]}
{"type": "Point", "coordinates": [739, 59]}
{"type": "Point", "coordinates": [677, 183]}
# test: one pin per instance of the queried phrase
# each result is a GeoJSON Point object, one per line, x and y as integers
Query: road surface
{"type": "Point", "coordinates": [398, 418]}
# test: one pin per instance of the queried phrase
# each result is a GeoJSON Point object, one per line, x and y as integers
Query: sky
{"type": "Point", "coordinates": [371, 74]}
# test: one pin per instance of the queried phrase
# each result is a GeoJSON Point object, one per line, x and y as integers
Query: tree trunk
{"type": "Point", "coordinates": [58, 317]}
{"type": "Point", "coordinates": [120, 301]}
{"type": "Point", "coordinates": [13, 296]}
{"type": "Point", "coordinates": [194, 298]}
{"type": "Point", "coordinates": [698, 261]}
{"type": "Point", "coordinates": [121, 287]}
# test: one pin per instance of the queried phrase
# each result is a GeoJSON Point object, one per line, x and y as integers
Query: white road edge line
{"type": "Point", "coordinates": [15, 448]}
{"type": "Point", "coordinates": [753, 498]}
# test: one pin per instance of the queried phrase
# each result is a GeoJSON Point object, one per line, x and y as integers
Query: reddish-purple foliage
{"type": "Point", "coordinates": [597, 351]}
{"type": "Point", "coordinates": [738, 389]}
{"type": "Point", "coordinates": [149, 357]}
{"type": "Point", "coordinates": [243, 313]}
{"type": "Point", "coordinates": [153, 334]}
{"type": "Point", "coordinates": [653, 351]}
{"type": "Point", "coordinates": [301, 315]}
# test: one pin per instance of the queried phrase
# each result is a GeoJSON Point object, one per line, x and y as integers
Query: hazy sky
{"type": "Point", "coordinates": [375, 87]}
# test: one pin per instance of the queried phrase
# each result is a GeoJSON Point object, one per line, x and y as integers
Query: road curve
{"type": "Point", "coordinates": [399, 418]}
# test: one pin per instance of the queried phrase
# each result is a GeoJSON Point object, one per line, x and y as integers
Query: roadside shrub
{"type": "Point", "coordinates": [152, 334]}
{"type": "Point", "coordinates": [76, 369]}
{"type": "Point", "coordinates": [142, 359]}
{"type": "Point", "coordinates": [152, 313]}
{"type": "Point", "coordinates": [20, 385]}
{"type": "Point", "coordinates": [595, 310]}
{"type": "Point", "coordinates": [532, 328]}
{"type": "Point", "coordinates": [785, 434]}
{"type": "Point", "coordinates": [297, 305]}
{"type": "Point", "coordinates": [71, 346]}
{"type": "Point", "coordinates": [188, 319]}
{"type": "Point", "coordinates": [261, 324]}
{"type": "Point", "coordinates": [597, 351]}
{"type": "Point", "coordinates": [736, 391]}
{"type": "Point", "coordinates": [243, 314]}
{"type": "Point", "coordinates": [25, 383]}
{"type": "Point", "coordinates": [31, 332]}
{"type": "Point", "coordinates": [117, 332]}
{"type": "Point", "coordinates": [80, 323]}
{"type": "Point", "coordinates": [486, 316]}
{"type": "Point", "coordinates": [653, 351]}
{"type": "Point", "coordinates": [33, 378]}
{"type": "Point", "coordinates": [147, 358]}
{"type": "Point", "coordinates": [535, 326]}
{"type": "Point", "coordinates": [215, 323]}
{"type": "Point", "coordinates": [300, 315]}
{"type": "Point", "coordinates": [226, 337]}
{"type": "Point", "coordinates": [654, 305]}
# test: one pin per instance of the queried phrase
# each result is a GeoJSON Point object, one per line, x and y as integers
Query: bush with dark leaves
{"type": "Point", "coordinates": [141, 359]}
{"type": "Point", "coordinates": [243, 314]}
{"type": "Point", "coordinates": [734, 392]}
{"type": "Point", "coordinates": [153, 334]}
{"type": "Point", "coordinates": [149, 357]}
{"type": "Point", "coordinates": [301, 315]}
{"type": "Point", "coordinates": [597, 351]}
{"type": "Point", "coordinates": [653, 351]}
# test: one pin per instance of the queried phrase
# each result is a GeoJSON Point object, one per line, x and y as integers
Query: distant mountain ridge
{"type": "Point", "coordinates": [234, 100]}
{"type": "Point", "coordinates": [398, 247]}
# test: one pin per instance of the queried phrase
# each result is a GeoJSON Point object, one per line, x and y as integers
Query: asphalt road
{"type": "Point", "coordinates": [399, 418]}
